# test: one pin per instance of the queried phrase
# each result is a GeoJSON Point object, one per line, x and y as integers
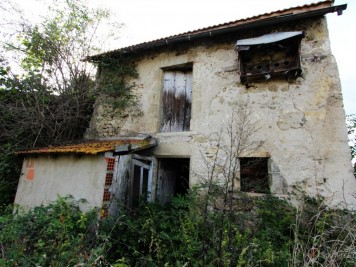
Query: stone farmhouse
{"type": "Point", "coordinates": [256, 102]}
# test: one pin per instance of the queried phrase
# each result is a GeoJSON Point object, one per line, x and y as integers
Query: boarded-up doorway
{"type": "Point", "coordinates": [173, 178]}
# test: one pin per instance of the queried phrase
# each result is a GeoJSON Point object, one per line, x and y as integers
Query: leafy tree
{"type": "Point", "coordinates": [351, 130]}
{"type": "Point", "coordinates": [46, 89]}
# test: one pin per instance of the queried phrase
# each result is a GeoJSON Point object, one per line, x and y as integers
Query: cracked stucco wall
{"type": "Point", "coordinates": [302, 122]}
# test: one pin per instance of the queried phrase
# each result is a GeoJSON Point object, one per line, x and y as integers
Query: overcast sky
{"type": "Point", "coordinates": [146, 20]}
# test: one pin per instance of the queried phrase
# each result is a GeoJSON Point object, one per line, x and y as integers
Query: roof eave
{"type": "Point", "coordinates": [216, 32]}
{"type": "Point", "coordinates": [94, 147]}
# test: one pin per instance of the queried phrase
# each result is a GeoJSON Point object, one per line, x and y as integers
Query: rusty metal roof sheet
{"type": "Point", "coordinates": [91, 147]}
{"type": "Point", "coordinates": [280, 16]}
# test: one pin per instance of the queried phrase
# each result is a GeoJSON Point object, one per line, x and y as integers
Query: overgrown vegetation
{"type": "Point", "coordinates": [112, 81]}
{"type": "Point", "coordinates": [55, 235]}
{"type": "Point", "coordinates": [176, 234]}
{"type": "Point", "coordinates": [47, 91]}
{"type": "Point", "coordinates": [351, 130]}
{"type": "Point", "coordinates": [214, 225]}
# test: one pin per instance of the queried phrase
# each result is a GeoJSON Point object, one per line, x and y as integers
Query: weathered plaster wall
{"type": "Point", "coordinates": [83, 177]}
{"type": "Point", "coordinates": [302, 122]}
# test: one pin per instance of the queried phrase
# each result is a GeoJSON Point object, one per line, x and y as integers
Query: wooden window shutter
{"type": "Point", "coordinates": [176, 101]}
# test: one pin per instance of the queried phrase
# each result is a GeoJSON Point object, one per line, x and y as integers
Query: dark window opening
{"type": "Point", "coordinates": [176, 100]}
{"type": "Point", "coordinates": [275, 55]}
{"type": "Point", "coordinates": [254, 175]}
{"type": "Point", "coordinates": [173, 178]}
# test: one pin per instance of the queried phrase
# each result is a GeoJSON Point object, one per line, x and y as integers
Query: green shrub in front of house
{"type": "Point", "coordinates": [263, 231]}
{"type": "Point", "coordinates": [174, 235]}
{"type": "Point", "coordinates": [58, 234]}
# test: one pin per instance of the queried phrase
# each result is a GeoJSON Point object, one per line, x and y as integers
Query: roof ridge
{"type": "Point", "coordinates": [269, 15]}
{"type": "Point", "coordinates": [331, 2]}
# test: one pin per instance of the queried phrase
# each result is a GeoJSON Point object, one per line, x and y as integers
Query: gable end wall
{"type": "Point", "coordinates": [302, 122]}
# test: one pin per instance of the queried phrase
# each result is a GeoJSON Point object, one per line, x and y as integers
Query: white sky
{"type": "Point", "coordinates": [146, 20]}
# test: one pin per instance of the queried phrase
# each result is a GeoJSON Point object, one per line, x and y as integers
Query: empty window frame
{"type": "Point", "coordinates": [270, 56]}
{"type": "Point", "coordinates": [254, 176]}
{"type": "Point", "coordinates": [176, 100]}
{"type": "Point", "coordinates": [141, 181]}
{"type": "Point", "coordinates": [173, 178]}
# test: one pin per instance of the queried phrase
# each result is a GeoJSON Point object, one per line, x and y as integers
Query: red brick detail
{"type": "Point", "coordinates": [107, 195]}
{"type": "Point", "coordinates": [108, 179]}
{"type": "Point", "coordinates": [110, 164]}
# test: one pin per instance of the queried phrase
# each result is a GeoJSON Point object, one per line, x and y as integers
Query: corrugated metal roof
{"type": "Point", "coordinates": [268, 38]}
{"type": "Point", "coordinates": [323, 7]}
{"type": "Point", "coordinates": [90, 147]}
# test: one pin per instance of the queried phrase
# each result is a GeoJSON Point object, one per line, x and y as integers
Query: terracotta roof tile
{"type": "Point", "coordinates": [90, 147]}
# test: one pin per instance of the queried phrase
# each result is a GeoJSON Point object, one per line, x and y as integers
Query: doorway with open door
{"type": "Point", "coordinates": [172, 178]}
{"type": "Point", "coordinates": [141, 182]}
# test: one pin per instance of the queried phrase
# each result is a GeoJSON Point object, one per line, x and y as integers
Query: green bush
{"type": "Point", "coordinates": [259, 231]}
{"type": "Point", "coordinates": [175, 235]}
{"type": "Point", "coordinates": [55, 235]}
{"type": "Point", "coordinates": [155, 235]}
